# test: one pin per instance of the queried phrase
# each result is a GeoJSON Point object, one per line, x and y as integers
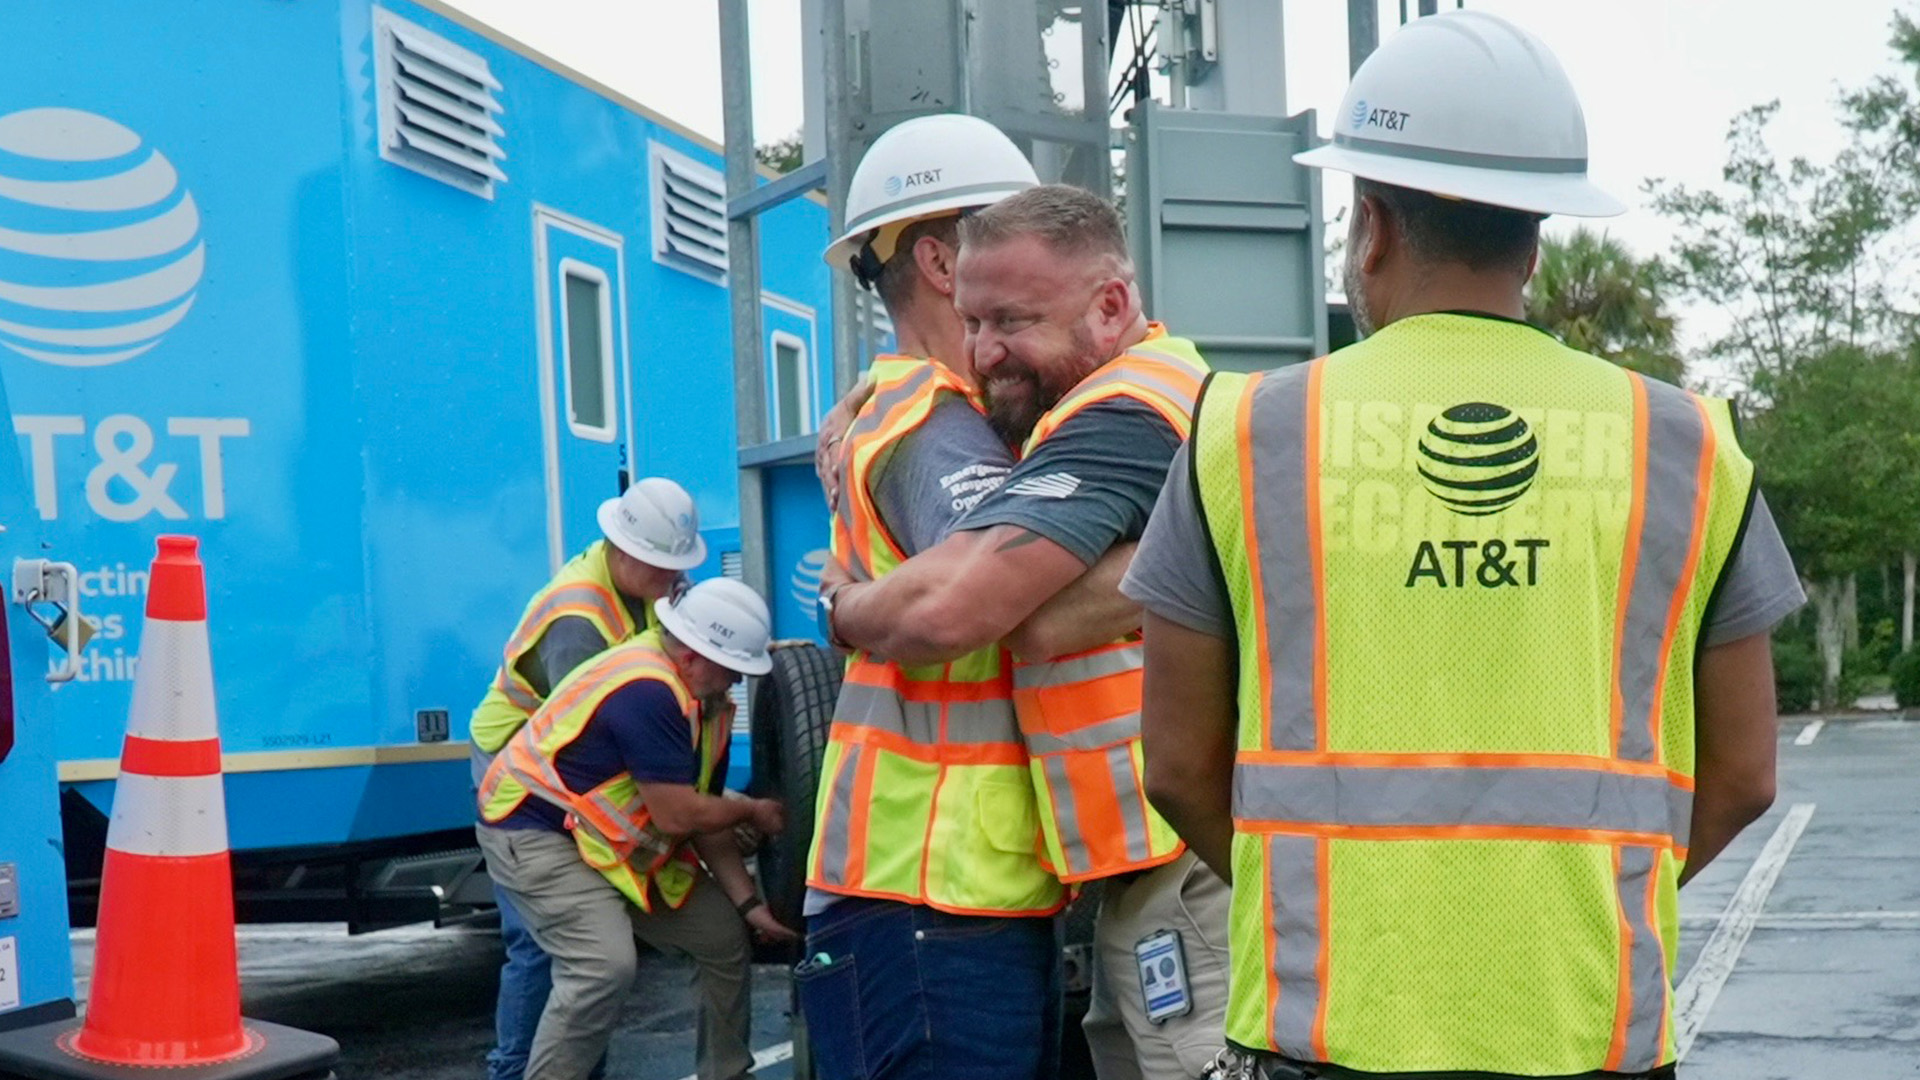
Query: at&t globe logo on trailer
{"type": "Point", "coordinates": [100, 247]}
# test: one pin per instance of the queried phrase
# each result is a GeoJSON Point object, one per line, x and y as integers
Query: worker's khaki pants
{"type": "Point", "coordinates": [1183, 895]}
{"type": "Point", "coordinates": [587, 926]}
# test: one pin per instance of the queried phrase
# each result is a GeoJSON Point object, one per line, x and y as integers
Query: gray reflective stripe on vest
{"type": "Point", "coordinates": [1293, 884]}
{"type": "Point", "coordinates": [1531, 796]}
{"type": "Point", "coordinates": [1675, 434]}
{"type": "Point", "coordinates": [836, 837]}
{"type": "Point", "coordinates": [524, 700]}
{"type": "Point", "coordinates": [1647, 978]}
{"type": "Point", "coordinates": [1132, 802]}
{"type": "Point", "coordinates": [1135, 377]}
{"type": "Point", "coordinates": [1066, 816]}
{"type": "Point", "coordinates": [1092, 737]}
{"type": "Point", "coordinates": [1118, 760]}
{"type": "Point", "coordinates": [1286, 575]}
{"type": "Point", "coordinates": [967, 722]}
{"type": "Point", "coordinates": [1079, 669]}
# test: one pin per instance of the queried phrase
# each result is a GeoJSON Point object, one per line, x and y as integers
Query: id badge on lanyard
{"type": "Point", "coordinates": [1163, 975]}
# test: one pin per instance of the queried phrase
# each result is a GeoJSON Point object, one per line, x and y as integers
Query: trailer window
{"type": "Point", "coordinates": [587, 322]}
{"type": "Point", "coordinates": [792, 387]}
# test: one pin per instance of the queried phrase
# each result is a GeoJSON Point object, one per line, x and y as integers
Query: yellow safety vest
{"type": "Point", "coordinates": [1468, 568]}
{"type": "Point", "coordinates": [924, 796]}
{"type": "Point", "coordinates": [583, 588]}
{"type": "Point", "coordinates": [1080, 714]}
{"type": "Point", "coordinates": [611, 824]}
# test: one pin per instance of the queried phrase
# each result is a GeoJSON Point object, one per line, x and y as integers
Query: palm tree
{"type": "Point", "coordinates": [1590, 290]}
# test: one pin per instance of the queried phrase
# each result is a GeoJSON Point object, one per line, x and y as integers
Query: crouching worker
{"type": "Point", "coordinates": [597, 817]}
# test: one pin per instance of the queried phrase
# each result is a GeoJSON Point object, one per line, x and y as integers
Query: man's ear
{"type": "Point", "coordinates": [1114, 303]}
{"type": "Point", "coordinates": [1374, 231]}
{"type": "Point", "coordinates": [936, 260]}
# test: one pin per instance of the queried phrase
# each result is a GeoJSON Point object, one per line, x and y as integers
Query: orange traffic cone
{"type": "Point", "coordinates": [166, 891]}
{"type": "Point", "coordinates": [166, 980]}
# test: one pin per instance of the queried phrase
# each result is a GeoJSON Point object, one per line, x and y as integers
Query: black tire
{"type": "Point", "coordinates": [792, 709]}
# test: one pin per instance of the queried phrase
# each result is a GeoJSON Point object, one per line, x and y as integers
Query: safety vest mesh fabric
{"type": "Point", "coordinates": [924, 796]}
{"type": "Point", "coordinates": [1468, 570]}
{"type": "Point", "coordinates": [611, 825]}
{"type": "Point", "coordinates": [1080, 714]}
{"type": "Point", "coordinates": [584, 589]}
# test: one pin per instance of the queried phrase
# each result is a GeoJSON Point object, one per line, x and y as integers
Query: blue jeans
{"type": "Point", "coordinates": [525, 980]}
{"type": "Point", "coordinates": [896, 991]}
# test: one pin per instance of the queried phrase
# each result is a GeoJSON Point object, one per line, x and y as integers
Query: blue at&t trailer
{"type": "Point", "coordinates": [380, 305]}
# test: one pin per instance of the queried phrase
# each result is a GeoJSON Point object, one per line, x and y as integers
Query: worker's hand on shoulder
{"type": "Point", "coordinates": [830, 444]}
{"type": "Point", "coordinates": [769, 816]}
{"type": "Point", "coordinates": [761, 921]}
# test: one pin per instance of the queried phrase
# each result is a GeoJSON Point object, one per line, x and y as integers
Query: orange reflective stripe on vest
{"type": "Point", "coordinates": [1080, 715]}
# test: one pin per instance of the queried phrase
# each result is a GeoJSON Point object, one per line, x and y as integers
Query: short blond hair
{"type": "Point", "coordinates": [1068, 220]}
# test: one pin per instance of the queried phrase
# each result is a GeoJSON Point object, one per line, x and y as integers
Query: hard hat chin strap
{"type": "Point", "coordinates": [883, 243]}
{"type": "Point", "coordinates": [866, 265]}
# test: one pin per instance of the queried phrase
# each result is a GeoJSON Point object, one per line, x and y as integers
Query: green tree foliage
{"type": "Point", "coordinates": [1812, 264]}
{"type": "Point", "coordinates": [1800, 255]}
{"type": "Point", "coordinates": [1839, 452]}
{"type": "Point", "coordinates": [1590, 290]}
{"type": "Point", "coordinates": [782, 155]}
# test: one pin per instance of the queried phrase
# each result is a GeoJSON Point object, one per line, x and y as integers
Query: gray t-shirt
{"type": "Point", "coordinates": [1173, 573]}
{"type": "Point", "coordinates": [569, 641]}
{"type": "Point", "coordinates": [1091, 484]}
{"type": "Point", "coordinates": [932, 476]}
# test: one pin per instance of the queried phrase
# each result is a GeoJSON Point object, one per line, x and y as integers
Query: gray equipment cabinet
{"type": "Point", "coordinates": [1226, 233]}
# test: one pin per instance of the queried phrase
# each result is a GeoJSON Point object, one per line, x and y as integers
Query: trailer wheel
{"type": "Point", "coordinates": [792, 709]}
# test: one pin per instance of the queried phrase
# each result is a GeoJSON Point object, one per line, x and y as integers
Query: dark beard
{"type": "Point", "coordinates": [1013, 421]}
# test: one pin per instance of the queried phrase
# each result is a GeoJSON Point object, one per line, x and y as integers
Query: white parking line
{"type": "Point", "coordinates": [1695, 997]}
{"type": "Point", "coordinates": [1811, 918]}
{"type": "Point", "coordinates": [1809, 733]}
{"type": "Point", "coordinates": [776, 1052]}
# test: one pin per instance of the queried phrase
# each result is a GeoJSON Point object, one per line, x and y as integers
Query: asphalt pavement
{"type": "Point", "coordinates": [1800, 951]}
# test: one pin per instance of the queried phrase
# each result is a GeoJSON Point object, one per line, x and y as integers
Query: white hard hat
{"type": "Point", "coordinates": [655, 522]}
{"type": "Point", "coordinates": [1467, 105]}
{"type": "Point", "coordinates": [722, 620]}
{"type": "Point", "coordinates": [923, 167]}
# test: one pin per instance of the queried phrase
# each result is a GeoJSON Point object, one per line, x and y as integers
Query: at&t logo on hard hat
{"type": "Point", "coordinates": [100, 246]}
{"type": "Point", "coordinates": [1358, 117]}
{"type": "Point", "coordinates": [1478, 458]}
{"type": "Point", "coordinates": [892, 185]}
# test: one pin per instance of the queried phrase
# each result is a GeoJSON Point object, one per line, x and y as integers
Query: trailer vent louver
{"type": "Point", "coordinates": [689, 215]}
{"type": "Point", "coordinates": [436, 106]}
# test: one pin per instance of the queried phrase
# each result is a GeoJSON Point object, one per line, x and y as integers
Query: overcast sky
{"type": "Point", "coordinates": [1659, 79]}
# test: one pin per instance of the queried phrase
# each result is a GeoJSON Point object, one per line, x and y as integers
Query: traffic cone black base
{"type": "Point", "coordinates": [274, 1053]}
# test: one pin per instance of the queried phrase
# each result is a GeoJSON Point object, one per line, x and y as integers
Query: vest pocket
{"type": "Point", "coordinates": [1007, 815]}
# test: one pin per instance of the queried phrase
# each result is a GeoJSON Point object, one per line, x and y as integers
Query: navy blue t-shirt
{"type": "Point", "coordinates": [639, 729]}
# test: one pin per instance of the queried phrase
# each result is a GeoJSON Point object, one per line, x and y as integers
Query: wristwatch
{"type": "Point", "coordinates": [825, 601]}
{"type": "Point", "coordinates": [745, 907]}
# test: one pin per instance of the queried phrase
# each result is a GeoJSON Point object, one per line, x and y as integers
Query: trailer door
{"type": "Point", "coordinates": [584, 381]}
